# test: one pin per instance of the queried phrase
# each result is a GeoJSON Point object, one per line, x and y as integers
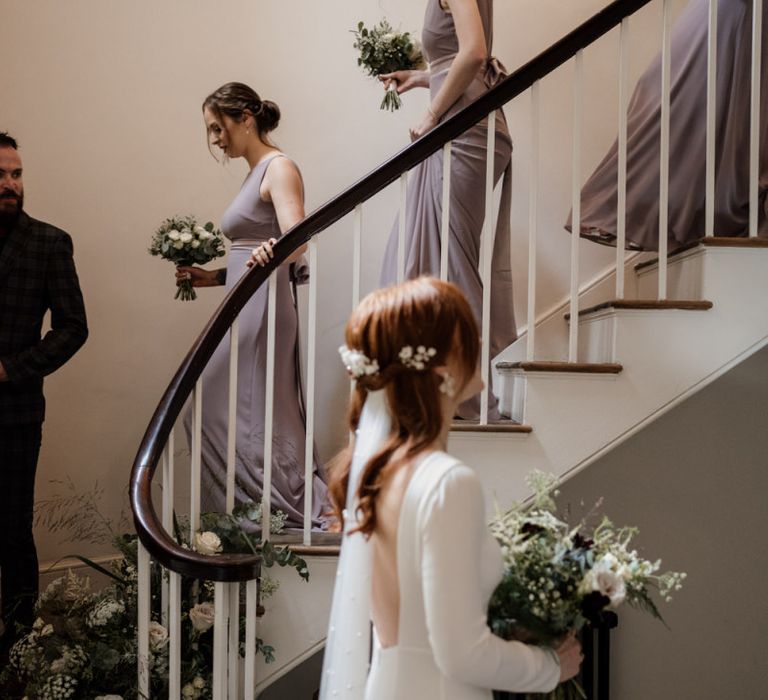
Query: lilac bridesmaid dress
{"type": "Point", "coordinates": [424, 204]}
{"type": "Point", "coordinates": [247, 222]}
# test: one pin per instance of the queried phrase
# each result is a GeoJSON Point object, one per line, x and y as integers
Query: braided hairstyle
{"type": "Point", "coordinates": [237, 101]}
{"type": "Point", "coordinates": [422, 312]}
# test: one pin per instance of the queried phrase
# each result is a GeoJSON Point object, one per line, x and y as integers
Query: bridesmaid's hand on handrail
{"type": "Point", "coordinates": [263, 254]}
{"type": "Point", "coordinates": [200, 277]}
{"type": "Point", "coordinates": [405, 80]}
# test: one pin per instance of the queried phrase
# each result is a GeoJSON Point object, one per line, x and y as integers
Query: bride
{"type": "Point", "coordinates": [417, 559]}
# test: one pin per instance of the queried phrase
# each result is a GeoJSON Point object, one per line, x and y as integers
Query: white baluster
{"type": "Point", "coordinates": [709, 197]}
{"type": "Point", "coordinates": [754, 116]}
{"type": "Point", "coordinates": [310, 398]}
{"type": "Point", "coordinates": [445, 223]}
{"type": "Point", "coordinates": [232, 416]}
{"type": "Point", "coordinates": [194, 479]}
{"type": "Point", "coordinates": [220, 636]}
{"type": "Point", "coordinates": [357, 232]}
{"type": "Point", "coordinates": [266, 499]}
{"type": "Point", "coordinates": [533, 221]}
{"type": "Point", "coordinates": [249, 675]}
{"type": "Point", "coordinates": [234, 639]}
{"type": "Point", "coordinates": [578, 81]}
{"type": "Point", "coordinates": [167, 515]}
{"type": "Point", "coordinates": [489, 230]}
{"type": "Point", "coordinates": [664, 164]}
{"type": "Point", "coordinates": [174, 635]}
{"type": "Point", "coordinates": [621, 208]}
{"type": "Point", "coordinates": [144, 598]}
{"type": "Point", "coordinates": [401, 228]}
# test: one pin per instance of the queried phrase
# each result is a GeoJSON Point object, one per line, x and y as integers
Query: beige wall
{"type": "Point", "coordinates": [695, 483]}
{"type": "Point", "coordinates": [104, 97]}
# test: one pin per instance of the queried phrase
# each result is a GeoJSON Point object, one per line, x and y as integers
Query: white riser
{"type": "Point", "coordinates": [685, 277]}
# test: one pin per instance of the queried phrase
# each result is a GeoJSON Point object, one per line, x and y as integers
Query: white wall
{"type": "Point", "coordinates": [104, 98]}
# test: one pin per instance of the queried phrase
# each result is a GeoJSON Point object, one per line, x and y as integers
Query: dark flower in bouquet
{"type": "Point", "coordinates": [383, 50]}
{"type": "Point", "coordinates": [557, 577]}
{"type": "Point", "coordinates": [183, 241]}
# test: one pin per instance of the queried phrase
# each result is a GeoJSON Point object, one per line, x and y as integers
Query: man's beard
{"type": "Point", "coordinates": [8, 217]}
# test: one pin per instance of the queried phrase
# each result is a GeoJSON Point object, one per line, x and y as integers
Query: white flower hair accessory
{"type": "Point", "coordinates": [357, 364]}
{"type": "Point", "coordinates": [416, 360]}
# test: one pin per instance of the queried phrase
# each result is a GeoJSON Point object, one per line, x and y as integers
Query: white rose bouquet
{"type": "Point", "coordinates": [558, 577]}
{"type": "Point", "coordinates": [383, 50]}
{"type": "Point", "coordinates": [184, 242]}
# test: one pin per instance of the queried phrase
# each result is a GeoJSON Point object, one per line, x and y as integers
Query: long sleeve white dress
{"type": "Point", "coordinates": [448, 566]}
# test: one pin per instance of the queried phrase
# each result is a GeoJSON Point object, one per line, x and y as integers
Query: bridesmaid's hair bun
{"type": "Point", "coordinates": [268, 116]}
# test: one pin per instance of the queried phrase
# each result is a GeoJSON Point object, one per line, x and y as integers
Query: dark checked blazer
{"type": "Point", "coordinates": [37, 273]}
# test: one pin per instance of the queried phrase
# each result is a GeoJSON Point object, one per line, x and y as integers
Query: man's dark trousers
{"type": "Point", "coordinates": [19, 448]}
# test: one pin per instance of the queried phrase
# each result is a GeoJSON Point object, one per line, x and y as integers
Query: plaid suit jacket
{"type": "Point", "coordinates": [37, 273]}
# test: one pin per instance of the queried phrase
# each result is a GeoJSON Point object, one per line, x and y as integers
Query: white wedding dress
{"type": "Point", "coordinates": [448, 566]}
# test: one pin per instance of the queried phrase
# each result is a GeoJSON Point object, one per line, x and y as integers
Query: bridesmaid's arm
{"type": "Point", "coordinates": [469, 60]}
{"type": "Point", "coordinates": [453, 532]}
{"type": "Point", "coordinates": [282, 185]}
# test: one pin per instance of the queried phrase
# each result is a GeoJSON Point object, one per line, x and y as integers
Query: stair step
{"type": "Point", "coordinates": [547, 366]}
{"type": "Point", "coordinates": [324, 544]}
{"type": "Point", "coordinates": [666, 304]}
{"type": "Point", "coordinates": [711, 242]}
{"type": "Point", "coordinates": [504, 427]}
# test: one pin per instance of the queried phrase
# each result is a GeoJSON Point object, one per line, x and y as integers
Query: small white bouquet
{"type": "Point", "coordinates": [383, 50]}
{"type": "Point", "coordinates": [557, 576]}
{"type": "Point", "coordinates": [183, 241]}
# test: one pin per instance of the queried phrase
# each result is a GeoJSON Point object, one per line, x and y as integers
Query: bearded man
{"type": "Point", "coordinates": [37, 274]}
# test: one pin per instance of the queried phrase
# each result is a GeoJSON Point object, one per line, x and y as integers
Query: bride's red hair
{"type": "Point", "coordinates": [427, 312]}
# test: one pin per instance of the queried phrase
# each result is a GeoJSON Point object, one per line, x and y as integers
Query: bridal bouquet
{"type": "Point", "coordinates": [383, 50]}
{"type": "Point", "coordinates": [558, 577]}
{"type": "Point", "coordinates": [184, 242]}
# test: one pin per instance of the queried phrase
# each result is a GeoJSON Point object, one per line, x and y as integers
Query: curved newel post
{"type": "Point", "coordinates": [578, 108]}
{"type": "Point", "coordinates": [621, 203]}
{"type": "Point", "coordinates": [709, 201]}
{"type": "Point", "coordinates": [754, 117]}
{"type": "Point", "coordinates": [666, 50]}
{"type": "Point", "coordinates": [486, 258]}
{"type": "Point", "coordinates": [533, 223]}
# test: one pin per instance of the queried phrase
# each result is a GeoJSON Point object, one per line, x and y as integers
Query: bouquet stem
{"type": "Point", "coordinates": [391, 99]}
{"type": "Point", "coordinates": [185, 291]}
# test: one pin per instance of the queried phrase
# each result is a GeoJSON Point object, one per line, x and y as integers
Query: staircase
{"type": "Point", "coordinates": [581, 380]}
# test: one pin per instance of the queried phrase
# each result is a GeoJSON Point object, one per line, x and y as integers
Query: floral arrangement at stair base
{"type": "Point", "coordinates": [383, 50]}
{"type": "Point", "coordinates": [183, 241]}
{"type": "Point", "coordinates": [558, 577]}
{"type": "Point", "coordinates": [84, 644]}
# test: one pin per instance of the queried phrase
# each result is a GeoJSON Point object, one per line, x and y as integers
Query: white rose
{"type": "Point", "coordinates": [207, 543]}
{"type": "Point", "coordinates": [199, 230]}
{"type": "Point", "coordinates": [204, 235]}
{"type": "Point", "coordinates": [195, 244]}
{"type": "Point", "coordinates": [188, 691]}
{"type": "Point", "coordinates": [158, 636]}
{"type": "Point", "coordinates": [185, 237]}
{"type": "Point", "coordinates": [608, 583]}
{"type": "Point", "coordinates": [202, 616]}
{"type": "Point", "coordinates": [178, 245]}
{"type": "Point", "coordinates": [173, 234]}
{"type": "Point", "coordinates": [198, 683]}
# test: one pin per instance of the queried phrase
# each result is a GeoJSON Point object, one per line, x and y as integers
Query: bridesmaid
{"type": "Point", "coordinates": [457, 39]}
{"type": "Point", "coordinates": [688, 139]}
{"type": "Point", "coordinates": [270, 201]}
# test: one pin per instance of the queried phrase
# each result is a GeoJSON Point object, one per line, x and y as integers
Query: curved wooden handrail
{"type": "Point", "coordinates": [245, 567]}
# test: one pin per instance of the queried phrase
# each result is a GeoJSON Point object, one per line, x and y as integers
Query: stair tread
{"type": "Point", "coordinates": [553, 366]}
{"type": "Point", "coordinates": [666, 304]}
{"type": "Point", "coordinates": [711, 242]}
{"type": "Point", "coordinates": [503, 427]}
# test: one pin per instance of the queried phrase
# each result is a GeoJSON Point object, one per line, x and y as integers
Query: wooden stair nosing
{"type": "Point", "coordinates": [647, 304]}
{"type": "Point", "coordinates": [564, 367]}
{"type": "Point", "coordinates": [472, 427]}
